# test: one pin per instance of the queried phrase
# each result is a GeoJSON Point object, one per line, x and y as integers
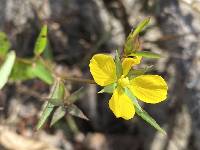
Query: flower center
{"type": "Point", "coordinates": [124, 81]}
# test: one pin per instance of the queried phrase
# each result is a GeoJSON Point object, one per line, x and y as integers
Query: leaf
{"type": "Point", "coordinates": [74, 96]}
{"type": "Point", "coordinates": [58, 98]}
{"type": "Point", "coordinates": [136, 72]}
{"type": "Point", "coordinates": [4, 44]}
{"type": "Point", "coordinates": [149, 120]}
{"type": "Point", "coordinates": [141, 26]}
{"type": "Point", "coordinates": [56, 93]}
{"type": "Point", "coordinates": [20, 71]}
{"type": "Point", "coordinates": [6, 68]}
{"type": "Point", "coordinates": [41, 41]}
{"type": "Point", "coordinates": [132, 43]}
{"type": "Point", "coordinates": [118, 64]}
{"type": "Point", "coordinates": [133, 98]}
{"type": "Point", "coordinates": [45, 114]}
{"type": "Point", "coordinates": [146, 54]}
{"type": "Point", "coordinates": [109, 88]}
{"type": "Point", "coordinates": [39, 70]}
{"type": "Point", "coordinates": [75, 111]}
{"type": "Point", "coordinates": [57, 115]}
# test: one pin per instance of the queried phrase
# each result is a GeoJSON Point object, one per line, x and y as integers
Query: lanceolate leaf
{"type": "Point", "coordinates": [144, 115]}
{"type": "Point", "coordinates": [141, 26]}
{"type": "Point", "coordinates": [39, 70]}
{"type": "Point", "coordinates": [133, 98]}
{"type": "Point", "coordinates": [146, 54]}
{"type": "Point", "coordinates": [56, 93]}
{"type": "Point", "coordinates": [20, 71]}
{"type": "Point", "coordinates": [45, 114]}
{"type": "Point", "coordinates": [41, 41]}
{"type": "Point", "coordinates": [118, 64]}
{"type": "Point", "coordinates": [4, 44]}
{"type": "Point", "coordinates": [58, 98]}
{"type": "Point", "coordinates": [75, 111]}
{"type": "Point", "coordinates": [74, 96]}
{"type": "Point", "coordinates": [132, 43]}
{"type": "Point", "coordinates": [136, 72]}
{"type": "Point", "coordinates": [109, 88]}
{"type": "Point", "coordinates": [57, 115]}
{"type": "Point", "coordinates": [6, 68]}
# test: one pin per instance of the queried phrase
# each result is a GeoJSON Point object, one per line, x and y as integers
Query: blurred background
{"type": "Point", "coordinates": [77, 30]}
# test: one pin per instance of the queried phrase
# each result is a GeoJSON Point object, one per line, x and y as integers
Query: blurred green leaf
{"type": "Point", "coordinates": [118, 64]}
{"type": "Point", "coordinates": [57, 115]}
{"type": "Point", "coordinates": [58, 98]}
{"type": "Point", "coordinates": [141, 26]}
{"type": "Point", "coordinates": [109, 88]}
{"type": "Point", "coordinates": [74, 96]}
{"type": "Point", "coordinates": [45, 114]}
{"type": "Point", "coordinates": [57, 92]}
{"type": "Point", "coordinates": [20, 71]}
{"type": "Point", "coordinates": [146, 54]}
{"type": "Point", "coordinates": [4, 44]}
{"type": "Point", "coordinates": [39, 70]}
{"type": "Point", "coordinates": [75, 111]}
{"type": "Point", "coordinates": [143, 114]}
{"type": "Point", "coordinates": [132, 43]}
{"type": "Point", "coordinates": [6, 68]}
{"type": "Point", "coordinates": [136, 72]}
{"type": "Point", "coordinates": [41, 41]}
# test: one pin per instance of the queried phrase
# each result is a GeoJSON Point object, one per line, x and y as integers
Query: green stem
{"type": "Point", "coordinates": [74, 79]}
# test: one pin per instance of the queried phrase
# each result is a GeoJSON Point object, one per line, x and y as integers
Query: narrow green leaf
{"type": "Point", "coordinates": [136, 72]}
{"type": "Point", "coordinates": [20, 71]}
{"type": "Point", "coordinates": [133, 98]}
{"type": "Point", "coordinates": [57, 115]}
{"type": "Point", "coordinates": [58, 98]}
{"type": "Point", "coordinates": [141, 26]}
{"type": "Point", "coordinates": [40, 70]}
{"type": "Point", "coordinates": [74, 96]}
{"type": "Point", "coordinates": [6, 68]}
{"type": "Point", "coordinates": [41, 41]}
{"type": "Point", "coordinates": [75, 111]}
{"type": "Point", "coordinates": [109, 88]}
{"type": "Point", "coordinates": [144, 115]}
{"type": "Point", "coordinates": [132, 43]}
{"type": "Point", "coordinates": [145, 54]}
{"type": "Point", "coordinates": [57, 92]}
{"type": "Point", "coordinates": [45, 114]}
{"type": "Point", "coordinates": [118, 64]}
{"type": "Point", "coordinates": [4, 44]}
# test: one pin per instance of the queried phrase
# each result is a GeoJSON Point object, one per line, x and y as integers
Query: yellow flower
{"type": "Point", "coordinates": [147, 88]}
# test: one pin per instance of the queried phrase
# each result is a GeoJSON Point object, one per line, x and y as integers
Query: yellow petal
{"type": "Point", "coordinates": [130, 62]}
{"type": "Point", "coordinates": [121, 105]}
{"type": "Point", "coordinates": [149, 88]}
{"type": "Point", "coordinates": [103, 69]}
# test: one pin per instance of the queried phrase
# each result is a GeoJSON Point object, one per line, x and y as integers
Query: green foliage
{"type": "Point", "coordinates": [118, 64]}
{"type": "Point", "coordinates": [57, 93]}
{"type": "Point", "coordinates": [133, 98]}
{"type": "Point", "coordinates": [21, 70]}
{"type": "Point", "coordinates": [144, 115]}
{"type": "Point", "coordinates": [4, 44]}
{"type": "Point", "coordinates": [6, 68]}
{"type": "Point", "coordinates": [57, 115]}
{"type": "Point", "coordinates": [39, 70]}
{"type": "Point", "coordinates": [132, 42]}
{"type": "Point", "coordinates": [109, 88]}
{"type": "Point", "coordinates": [136, 72]}
{"type": "Point", "coordinates": [146, 54]}
{"type": "Point", "coordinates": [41, 41]}
{"type": "Point", "coordinates": [75, 111]}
